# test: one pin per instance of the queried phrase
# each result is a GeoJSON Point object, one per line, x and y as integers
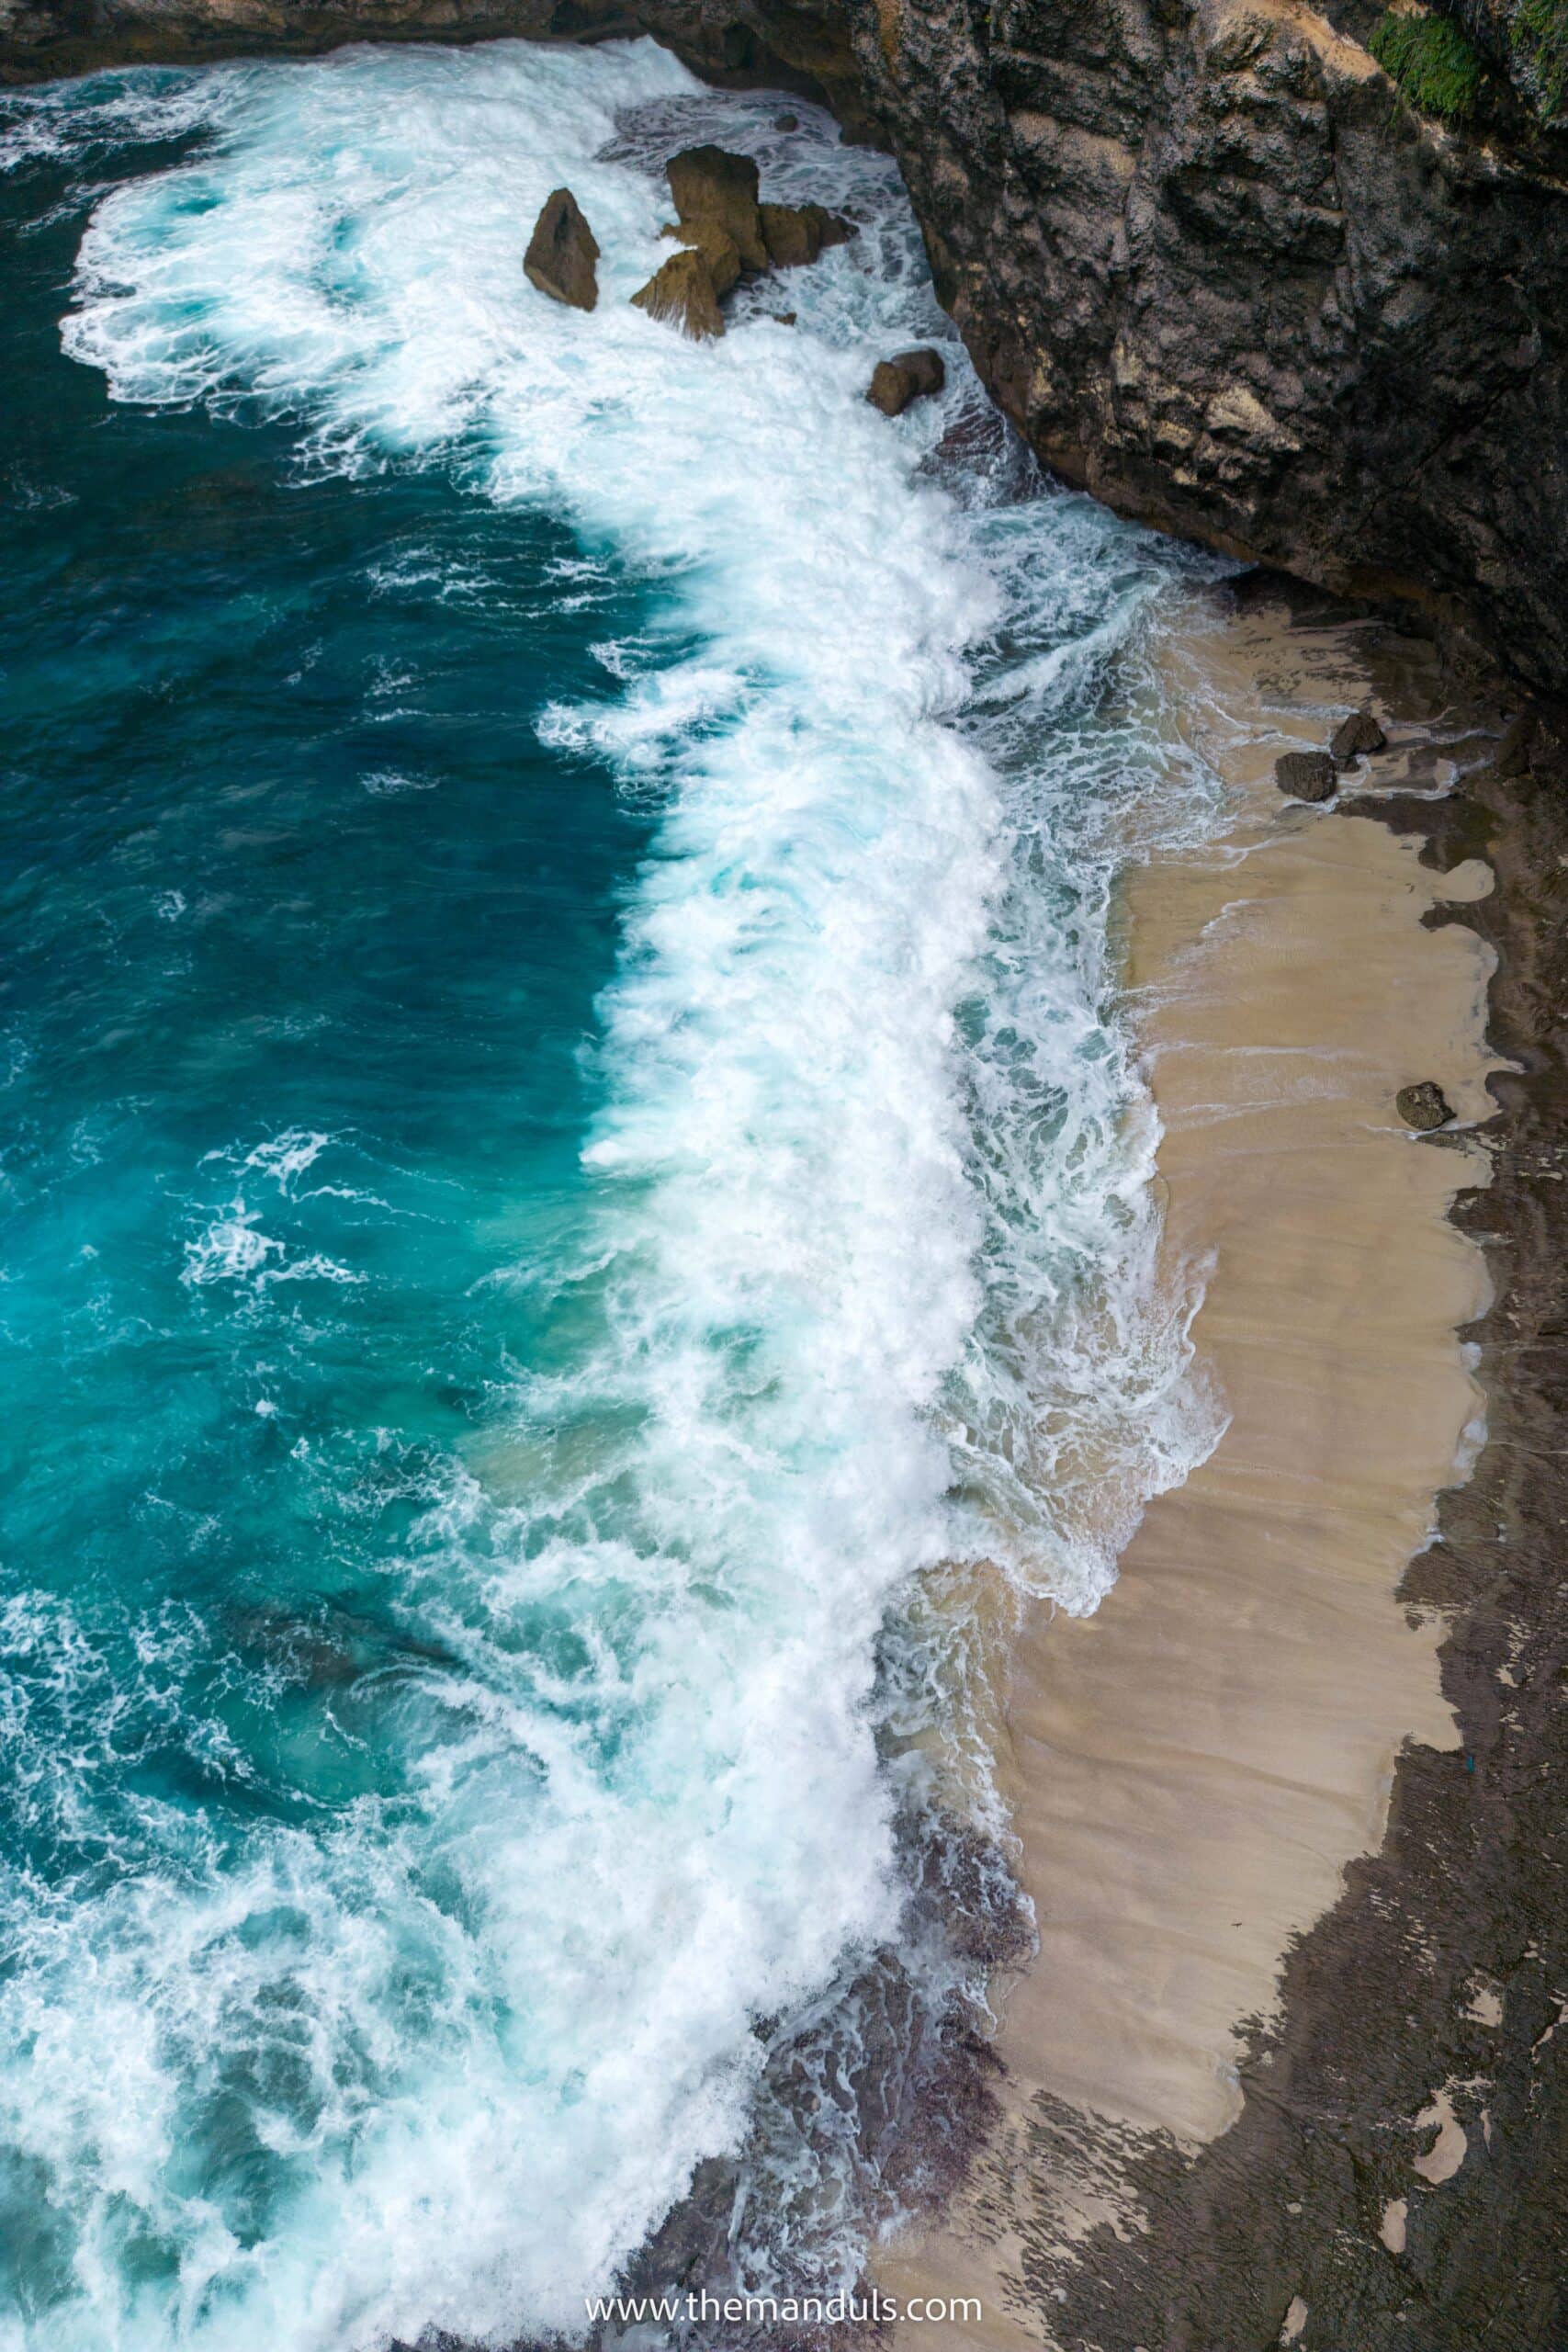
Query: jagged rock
{"type": "Point", "coordinates": [1359, 733]}
{"type": "Point", "coordinates": [718, 249]}
{"type": "Point", "coordinates": [1423, 1106]}
{"type": "Point", "coordinates": [682, 290]}
{"type": "Point", "coordinates": [563, 254]}
{"type": "Point", "coordinates": [1306, 775]}
{"type": "Point", "coordinates": [907, 376]}
{"type": "Point", "coordinates": [711, 184]}
{"type": "Point", "coordinates": [796, 234]}
{"type": "Point", "coordinates": [792, 234]}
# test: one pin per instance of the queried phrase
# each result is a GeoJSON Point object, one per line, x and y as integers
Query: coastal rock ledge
{"type": "Point", "coordinates": [1220, 268]}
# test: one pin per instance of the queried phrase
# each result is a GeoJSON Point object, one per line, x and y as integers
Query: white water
{"type": "Point", "coordinates": [870, 1286]}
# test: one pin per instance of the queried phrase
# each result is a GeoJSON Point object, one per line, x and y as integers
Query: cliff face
{"type": "Point", "coordinates": [1215, 267]}
{"type": "Point", "coordinates": [1224, 277]}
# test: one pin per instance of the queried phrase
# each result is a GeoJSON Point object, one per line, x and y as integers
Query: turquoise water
{"type": "Point", "coordinates": [567, 1141]}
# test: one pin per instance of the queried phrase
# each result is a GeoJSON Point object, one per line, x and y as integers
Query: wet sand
{"type": "Point", "coordinates": [1192, 1768]}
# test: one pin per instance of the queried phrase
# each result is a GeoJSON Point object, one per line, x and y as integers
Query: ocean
{"type": "Point", "coordinates": [573, 1172]}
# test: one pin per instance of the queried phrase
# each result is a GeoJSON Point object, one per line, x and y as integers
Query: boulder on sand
{"type": "Point", "coordinates": [563, 252]}
{"type": "Point", "coordinates": [1307, 776]}
{"type": "Point", "coordinates": [1359, 733]}
{"type": "Point", "coordinates": [1423, 1106]}
{"type": "Point", "coordinates": [907, 376]}
{"type": "Point", "coordinates": [709, 183]}
{"type": "Point", "coordinates": [682, 290]}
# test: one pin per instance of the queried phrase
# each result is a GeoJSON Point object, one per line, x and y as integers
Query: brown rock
{"type": "Point", "coordinates": [908, 375]}
{"type": "Point", "coordinates": [718, 248]}
{"type": "Point", "coordinates": [1423, 1106]}
{"type": "Point", "coordinates": [709, 183]}
{"type": "Point", "coordinates": [563, 252]}
{"type": "Point", "coordinates": [1307, 776]}
{"type": "Point", "coordinates": [1359, 733]}
{"type": "Point", "coordinates": [792, 234]}
{"type": "Point", "coordinates": [682, 290]}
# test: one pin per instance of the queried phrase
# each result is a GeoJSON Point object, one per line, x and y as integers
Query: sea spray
{"type": "Point", "coordinates": [636, 1867]}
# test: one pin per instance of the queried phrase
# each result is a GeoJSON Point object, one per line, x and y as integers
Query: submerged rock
{"type": "Point", "coordinates": [907, 376]}
{"type": "Point", "coordinates": [1423, 1106]}
{"type": "Point", "coordinates": [1306, 775]}
{"type": "Point", "coordinates": [682, 290]}
{"type": "Point", "coordinates": [1359, 733]}
{"type": "Point", "coordinates": [563, 254]}
{"type": "Point", "coordinates": [709, 183]}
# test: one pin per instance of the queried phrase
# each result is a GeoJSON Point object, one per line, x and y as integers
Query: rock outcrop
{"type": "Point", "coordinates": [1218, 266]}
{"type": "Point", "coordinates": [1423, 1106]}
{"type": "Point", "coordinates": [715, 190]}
{"type": "Point", "coordinates": [1306, 775]}
{"type": "Point", "coordinates": [682, 292]}
{"type": "Point", "coordinates": [907, 376]}
{"type": "Point", "coordinates": [562, 259]}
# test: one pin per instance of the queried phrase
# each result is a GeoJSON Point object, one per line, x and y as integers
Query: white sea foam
{"type": "Point", "coordinates": [868, 1286]}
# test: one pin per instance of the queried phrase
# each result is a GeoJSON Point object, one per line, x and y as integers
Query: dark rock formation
{"type": "Point", "coordinates": [1216, 267]}
{"type": "Point", "coordinates": [1423, 1106]}
{"type": "Point", "coordinates": [714, 190]}
{"type": "Point", "coordinates": [563, 254]}
{"type": "Point", "coordinates": [1307, 776]}
{"type": "Point", "coordinates": [1359, 733]}
{"type": "Point", "coordinates": [718, 249]}
{"type": "Point", "coordinates": [682, 292]}
{"type": "Point", "coordinates": [907, 376]}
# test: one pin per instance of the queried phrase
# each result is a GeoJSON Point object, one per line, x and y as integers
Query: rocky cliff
{"type": "Point", "coordinates": [1219, 266]}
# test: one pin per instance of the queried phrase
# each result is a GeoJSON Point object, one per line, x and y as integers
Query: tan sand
{"type": "Point", "coordinates": [1192, 1766]}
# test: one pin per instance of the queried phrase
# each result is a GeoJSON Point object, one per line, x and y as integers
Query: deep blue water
{"type": "Point", "coordinates": [566, 1143]}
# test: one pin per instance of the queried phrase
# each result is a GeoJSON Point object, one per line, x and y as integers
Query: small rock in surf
{"type": "Point", "coordinates": [1307, 776]}
{"type": "Point", "coordinates": [718, 249]}
{"type": "Point", "coordinates": [1423, 1106]}
{"type": "Point", "coordinates": [682, 290]}
{"type": "Point", "coordinates": [795, 233]}
{"type": "Point", "coordinates": [1359, 733]}
{"type": "Point", "coordinates": [907, 376]}
{"type": "Point", "coordinates": [710, 184]}
{"type": "Point", "coordinates": [563, 254]}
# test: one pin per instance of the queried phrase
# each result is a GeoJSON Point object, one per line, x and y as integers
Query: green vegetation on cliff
{"type": "Point", "coordinates": [1432, 63]}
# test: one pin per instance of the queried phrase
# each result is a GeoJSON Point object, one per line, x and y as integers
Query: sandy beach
{"type": "Point", "coordinates": [1192, 1768]}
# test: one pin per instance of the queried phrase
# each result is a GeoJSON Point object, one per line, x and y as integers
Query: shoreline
{"type": "Point", "coordinates": [1200, 1766]}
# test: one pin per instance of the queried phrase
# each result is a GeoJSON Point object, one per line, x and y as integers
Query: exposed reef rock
{"type": "Point", "coordinates": [1213, 263]}
{"type": "Point", "coordinates": [563, 254]}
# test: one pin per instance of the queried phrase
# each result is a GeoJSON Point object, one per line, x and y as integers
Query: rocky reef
{"type": "Point", "coordinates": [1221, 267]}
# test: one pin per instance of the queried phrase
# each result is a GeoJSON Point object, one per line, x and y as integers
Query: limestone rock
{"type": "Point", "coordinates": [907, 376]}
{"type": "Point", "coordinates": [563, 254]}
{"type": "Point", "coordinates": [1306, 775]}
{"type": "Point", "coordinates": [711, 184]}
{"type": "Point", "coordinates": [1359, 733]}
{"type": "Point", "coordinates": [682, 290]}
{"type": "Point", "coordinates": [1423, 1106]}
